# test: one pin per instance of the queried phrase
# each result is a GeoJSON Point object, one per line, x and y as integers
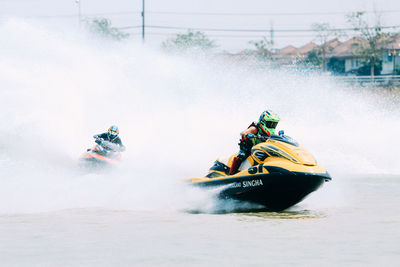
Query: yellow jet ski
{"type": "Point", "coordinates": [278, 174]}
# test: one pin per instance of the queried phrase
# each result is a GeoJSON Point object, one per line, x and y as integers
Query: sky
{"type": "Point", "coordinates": [227, 15]}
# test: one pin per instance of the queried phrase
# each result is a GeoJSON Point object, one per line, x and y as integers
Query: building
{"type": "Point", "coordinates": [348, 53]}
{"type": "Point", "coordinates": [391, 55]}
{"type": "Point", "coordinates": [343, 58]}
{"type": "Point", "coordinates": [286, 55]}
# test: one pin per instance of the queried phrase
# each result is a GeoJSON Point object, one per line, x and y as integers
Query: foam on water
{"type": "Point", "coordinates": [176, 115]}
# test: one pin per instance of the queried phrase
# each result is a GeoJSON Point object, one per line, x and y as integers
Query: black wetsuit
{"type": "Point", "coordinates": [116, 140]}
{"type": "Point", "coordinates": [246, 143]}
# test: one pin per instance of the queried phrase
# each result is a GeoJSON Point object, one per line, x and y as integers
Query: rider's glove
{"type": "Point", "coordinates": [241, 155]}
{"type": "Point", "coordinates": [252, 139]}
{"type": "Point", "coordinates": [250, 135]}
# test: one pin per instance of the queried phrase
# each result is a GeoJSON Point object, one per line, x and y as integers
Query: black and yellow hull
{"type": "Point", "coordinates": [280, 173]}
{"type": "Point", "coordinates": [276, 191]}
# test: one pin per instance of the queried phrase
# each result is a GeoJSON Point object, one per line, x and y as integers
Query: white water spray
{"type": "Point", "coordinates": [176, 115]}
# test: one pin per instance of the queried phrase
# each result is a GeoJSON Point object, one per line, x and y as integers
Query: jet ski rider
{"type": "Point", "coordinates": [253, 135]}
{"type": "Point", "coordinates": [112, 136]}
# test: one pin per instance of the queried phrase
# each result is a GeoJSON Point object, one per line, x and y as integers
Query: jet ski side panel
{"type": "Point", "coordinates": [276, 190]}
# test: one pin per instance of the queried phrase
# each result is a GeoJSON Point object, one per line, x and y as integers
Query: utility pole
{"type": "Point", "coordinates": [271, 32]}
{"type": "Point", "coordinates": [78, 2]}
{"type": "Point", "coordinates": [143, 21]}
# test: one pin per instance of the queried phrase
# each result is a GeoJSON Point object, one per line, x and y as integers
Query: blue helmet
{"type": "Point", "coordinates": [113, 132]}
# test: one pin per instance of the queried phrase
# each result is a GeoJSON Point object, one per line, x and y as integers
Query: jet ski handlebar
{"type": "Point", "coordinates": [259, 137]}
{"type": "Point", "coordinates": [281, 137]}
{"type": "Point", "coordinates": [107, 144]}
{"type": "Point", "coordinates": [265, 138]}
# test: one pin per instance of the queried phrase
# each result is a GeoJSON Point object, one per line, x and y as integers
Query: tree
{"type": "Point", "coordinates": [263, 47]}
{"type": "Point", "coordinates": [314, 58]}
{"type": "Point", "coordinates": [102, 27]}
{"type": "Point", "coordinates": [371, 52]}
{"type": "Point", "coordinates": [324, 33]}
{"type": "Point", "coordinates": [190, 41]}
{"type": "Point", "coordinates": [336, 65]}
{"type": "Point", "coordinates": [366, 69]}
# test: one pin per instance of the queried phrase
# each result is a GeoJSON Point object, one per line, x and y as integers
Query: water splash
{"type": "Point", "coordinates": [176, 115]}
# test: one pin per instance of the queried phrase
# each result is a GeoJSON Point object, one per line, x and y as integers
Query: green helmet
{"type": "Point", "coordinates": [268, 121]}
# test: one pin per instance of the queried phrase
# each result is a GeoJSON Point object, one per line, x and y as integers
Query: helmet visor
{"type": "Point", "coordinates": [271, 124]}
{"type": "Point", "coordinates": [113, 133]}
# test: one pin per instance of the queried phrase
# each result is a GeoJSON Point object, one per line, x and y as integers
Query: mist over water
{"type": "Point", "coordinates": [176, 116]}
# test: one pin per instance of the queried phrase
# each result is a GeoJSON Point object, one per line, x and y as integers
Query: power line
{"type": "Point", "coordinates": [248, 30]}
{"type": "Point", "coordinates": [75, 15]}
{"type": "Point", "coordinates": [130, 27]}
{"type": "Point", "coordinates": [229, 36]}
{"type": "Point", "coordinates": [263, 14]}
{"type": "Point", "coordinates": [125, 13]}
